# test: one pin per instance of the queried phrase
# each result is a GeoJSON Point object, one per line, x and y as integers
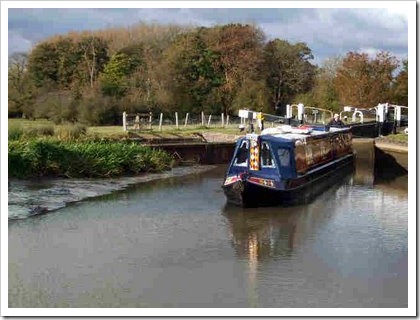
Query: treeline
{"type": "Point", "coordinates": [92, 77]}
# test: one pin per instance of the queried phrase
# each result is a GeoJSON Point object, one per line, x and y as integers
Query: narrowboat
{"type": "Point", "coordinates": [285, 164]}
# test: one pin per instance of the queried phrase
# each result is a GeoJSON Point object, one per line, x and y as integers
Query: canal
{"type": "Point", "coordinates": [174, 242]}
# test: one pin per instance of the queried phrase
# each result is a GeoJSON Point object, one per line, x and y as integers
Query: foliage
{"type": "Point", "coordinates": [20, 88]}
{"type": "Point", "coordinates": [92, 77]}
{"type": "Point", "coordinates": [365, 82]}
{"type": "Point", "coordinates": [400, 86]}
{"type": "Point", "coordinates": [15, 132]}
{"type": "Point", "coordinates": [289, 71]}
{"type": "Point", "coordinates": [47, 157]}
{"type": "Point", "coordinates": [324, 94]}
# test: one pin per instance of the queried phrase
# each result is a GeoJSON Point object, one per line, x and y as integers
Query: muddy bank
{"type": "Point", "coordinates": [39, 196]}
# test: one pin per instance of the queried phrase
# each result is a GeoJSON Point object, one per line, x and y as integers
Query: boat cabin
{"type": "Point", "coordinates": [288, 152]}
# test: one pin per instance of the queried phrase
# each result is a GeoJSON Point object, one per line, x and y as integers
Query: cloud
{"type": "Point", "coordinates": [341, 30]}
{"type": "Point", "coordinates": [327, 32]}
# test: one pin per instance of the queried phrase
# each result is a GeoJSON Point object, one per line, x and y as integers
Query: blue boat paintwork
{"type": "Point", "coordinates": [275, 185]}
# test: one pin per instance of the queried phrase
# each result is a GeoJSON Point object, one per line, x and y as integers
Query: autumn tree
{"type": "Point", "coordinates": [400, 86]}
{"type": "Point", "coordinates": [365, 82]}
{"type": "Point", "coordinates": [240, 48]}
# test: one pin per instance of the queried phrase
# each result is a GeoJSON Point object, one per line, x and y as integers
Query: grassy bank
{"type": "Point", "coordinates": [68, 151]}
{"type": "Point", "coordinates": [399, 139]}
{"type": "Point", "coordinates": [40, 157]}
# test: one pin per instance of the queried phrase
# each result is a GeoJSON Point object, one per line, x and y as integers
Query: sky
{"type": "Point", "coordinates": [329, 32]}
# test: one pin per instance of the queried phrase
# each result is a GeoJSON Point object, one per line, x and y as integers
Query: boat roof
{"type": "Point", "coordinates": [287, 133]}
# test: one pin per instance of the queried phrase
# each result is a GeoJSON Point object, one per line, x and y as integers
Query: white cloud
{"type": "Point", "coordinates": [328, 32]}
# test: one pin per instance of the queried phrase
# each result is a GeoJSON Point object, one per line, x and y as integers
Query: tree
{"type": "Point", "coordinates": [193, 71]}
{"type": "Point", "coordinates": [95, 56]}
{"type": "Point", "coordinates": [20, 88]}
{"type": "Point", "coordinates": [288, 69]}
{"type": "Point", "coordinates": [400, 87]}
{"type": "Point", "coordinates": [365, 82]}
{"type": "Point", "coordinates": [43, 64]}
{"type": "Point", "coordinates": [114, 77]}
{"type": "Point", "coordinates": [324, 93]}
{"type": "Point", "coordinates": [239, 48]}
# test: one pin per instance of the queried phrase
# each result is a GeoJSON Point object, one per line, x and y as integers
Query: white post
{"type": "Point", "coordinates": [176, 120]}
{"type": "Point", "coordinates": [223, 120]}
{"type": "Point", "coordinates": [227, 120]}
{"type": "Point", "coordinates": [124, 121]}
{"type": "Point", "coordinates": [288, 111]}
{"type": "Point", "coordinates": [301, 111]}
{"type": "Point", "coordinates": [397, 113]}
{"type": "Point", "coordinates": [160, 121]}
{"type": "Point", "coordinates": [202, 118]}
{"type": "Point", "coordinates": [380, 113]}
{"type": "Point", "coordinates": [150, 121]}
{"type": "Point", "coordinates": [186, 120]}
{"type": "Point", "coordinates": [208, 124]}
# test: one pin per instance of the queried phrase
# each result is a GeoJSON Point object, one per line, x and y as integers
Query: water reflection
{"type": "Point", "coordinates": [364, 164]}
{"type": "Point", "coordinates": [262, 236]}
{"type": "Point", "coordinates": [273, 232]}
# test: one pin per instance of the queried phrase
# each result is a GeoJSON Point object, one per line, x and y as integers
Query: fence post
{"type": "Point", "coordinates": [124, 121]}
{"type": "Point", "coordinates": [223, 120]}
{"type": "Point", "coordinates": [150, 121]}
{"type": "Point", "coordinates": [202, 118]}
{"type": "Point", "coordinates": [160, 122]}
{"type": "Point", "coordinates": [176, 120]}
{"type": "Point", "coordinates": [227, 120]}
{"type": "Point", "coordinates": [208, 124]}
{"type": "Point", "coordinates": [186, 120]}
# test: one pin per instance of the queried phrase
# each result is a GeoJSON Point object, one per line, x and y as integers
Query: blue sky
{"type": "Point", "coordinates": [328, 31]}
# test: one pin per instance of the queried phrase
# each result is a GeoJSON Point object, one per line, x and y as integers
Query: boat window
{"type": "Point", "coordinates": [267, 160]}
{"type": "Point", "coordinates": [241, 158]}
{"type": "Point", "coordinates": [284, 157]}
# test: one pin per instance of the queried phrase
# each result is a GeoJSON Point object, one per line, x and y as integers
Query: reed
{"type": "Point", "coordinates": [89, 159]}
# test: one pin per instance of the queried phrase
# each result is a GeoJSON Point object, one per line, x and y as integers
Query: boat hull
{"type": "Point", "coordinates": [298, 191]}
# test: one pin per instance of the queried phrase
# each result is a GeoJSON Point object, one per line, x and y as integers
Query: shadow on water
{"type": "Point", "coordinates": [388, 167]}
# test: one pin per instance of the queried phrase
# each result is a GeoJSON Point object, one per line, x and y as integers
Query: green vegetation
{"type": "Point", "coordinates": [92, 77]}
{"type": "Point", "coordinates": [40, 148]}
{"type": "Point", "coordinates": [399, 138]}
{"type": "Point", "coordinates": [87, 159]}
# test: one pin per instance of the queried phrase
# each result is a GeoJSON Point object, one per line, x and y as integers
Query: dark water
{"type": "Point", "coordinates": [175, 243]}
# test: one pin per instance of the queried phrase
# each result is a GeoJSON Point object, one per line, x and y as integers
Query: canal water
{"type": "Point", "coordinates": [174, 242]}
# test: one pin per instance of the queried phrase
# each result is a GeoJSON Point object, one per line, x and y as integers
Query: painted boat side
{"type": "Point", "coordinates": [301, 190]}
{"type": "Point", "coordinates": [312, 158]}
